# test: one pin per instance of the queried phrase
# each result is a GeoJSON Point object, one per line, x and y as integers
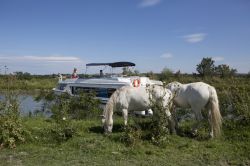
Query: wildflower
{"type": "Point", "coordinates": [64, 118]}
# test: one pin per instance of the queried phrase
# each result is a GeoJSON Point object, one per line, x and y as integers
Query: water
{"type": "Point", "coordinates": [28, 104]}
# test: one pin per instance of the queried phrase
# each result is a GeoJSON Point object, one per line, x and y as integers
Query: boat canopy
{"type": "Point", "coordinates": [114, 64]}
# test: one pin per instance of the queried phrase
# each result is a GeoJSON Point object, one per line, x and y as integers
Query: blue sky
{"type": "Point", "coordinates": [52, 36]}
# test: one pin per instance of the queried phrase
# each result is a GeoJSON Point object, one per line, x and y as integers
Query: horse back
{"type": "Point", "coordinates": [193, 94]}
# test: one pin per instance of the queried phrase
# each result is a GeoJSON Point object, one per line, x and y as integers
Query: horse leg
{"type": "Point", "coordinates": [175, 118]}
{"type": "Point", "coordinates": [125, 116]}
{"type": "Point", "coordinates": [171, 122]}
{"type": "Point", "coordinates": [199, 118]}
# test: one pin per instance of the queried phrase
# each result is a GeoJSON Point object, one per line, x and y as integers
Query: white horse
{"type": "Point", "coordinates": [198, 96]}
{"type": "Point", "coordinates": [127, 99]}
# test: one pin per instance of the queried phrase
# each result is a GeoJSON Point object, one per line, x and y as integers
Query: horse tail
{"type": "Point", "coordinates": [216, 119]}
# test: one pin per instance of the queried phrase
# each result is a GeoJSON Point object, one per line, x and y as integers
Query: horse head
{"type": "Point", "coordinates": [107, 127]}
{"type": "Point", "coordinates": [174, 87]}
{"type": "Point", "coordinates": [107, 120]}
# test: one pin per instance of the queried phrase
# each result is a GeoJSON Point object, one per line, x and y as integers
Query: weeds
{"type": "Point", "coordinates": [156, 130]}
{"type": "Point", "coordinates": [131, 135]}
{"type": "Point", "coordinates": [11, 129]}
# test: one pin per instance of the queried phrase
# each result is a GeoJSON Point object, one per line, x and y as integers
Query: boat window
{"type": "Point", "coordinates": [61, 86]}
{"type": "Point", "coordinates": [111, 91]}
{"type": "Point", "coordinates": [78, 90]}
{"type": "Point", "coordinates": [100, 92]}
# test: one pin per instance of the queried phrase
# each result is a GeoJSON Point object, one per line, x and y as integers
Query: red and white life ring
{"type": "Point", "coordinates": [136, 82]}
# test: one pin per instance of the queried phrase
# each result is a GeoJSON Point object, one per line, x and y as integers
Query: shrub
{"type": "Point", "coordinates": [61, 130]}
{"type": "Point", "coordinates": [165, 74]}
{"type": "Point", "coordinates": [81, 106]}
{"type": "Point", "coordinates": [64, 108]}
{"type": "Point", "coordinates": [132, 135]}
{"type": "Point", "coordinates": [241, 102]}
{"type": "Point", "coordinates": [235, 100]}
{"type": "Point", "coordinates": [11, 128]}
{"type": "Point", "coordinates": [85, 105]}
{"type": "Point", "coordinates": [159, 123]}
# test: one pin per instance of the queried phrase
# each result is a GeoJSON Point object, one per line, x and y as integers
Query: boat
{"type": "Point", "coordinates": [103, 85]}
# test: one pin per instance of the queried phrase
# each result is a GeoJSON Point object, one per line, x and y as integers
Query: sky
{"type": "Point", "coordinates": [54, 36]}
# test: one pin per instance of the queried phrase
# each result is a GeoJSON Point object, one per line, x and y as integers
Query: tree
{"type": "Point", "coordinates": [151, 75]}
{"type": "Point", "coordinates": [225, 71]}
{"type": "Point", "coordinates": [206, 67]}
{"type": "Point", "coordinates": [127, 71]}
{"type": "Point", "coordinates": [21, 75]}
{"type": "Point", "coordinates": [166, 73]}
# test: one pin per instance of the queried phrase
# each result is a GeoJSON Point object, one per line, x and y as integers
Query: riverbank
{"type": "Point", "coordinates": [40, 83]}
{"type": "Point", "coordinates": [89, 146]}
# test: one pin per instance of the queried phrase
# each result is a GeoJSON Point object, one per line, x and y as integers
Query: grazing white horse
{"type": "Point", "coordinates": [127, 99]}
{"type": "Point", "coordinates": [198, 96]}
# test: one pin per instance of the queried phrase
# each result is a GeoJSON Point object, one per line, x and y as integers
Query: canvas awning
{"type": "Point", "coordinates": [114, 64]}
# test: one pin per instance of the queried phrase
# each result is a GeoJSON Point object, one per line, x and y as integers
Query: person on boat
{"type": "Point", "coordinates": [60, 77]}
{"type": "Point", "coordinates": [74, 74]}
{"type": "Point", "coordinates": [101, 73]}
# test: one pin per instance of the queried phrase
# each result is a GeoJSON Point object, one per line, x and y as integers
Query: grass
{"type": "Point", "coordinates": [13, 83]}
{"type": "Point", "coordinates": [91, 147]}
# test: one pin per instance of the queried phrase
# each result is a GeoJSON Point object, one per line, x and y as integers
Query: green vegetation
{"type": "Point", "coordinates": [15, 82]}
{"type": "Point", "coordinates": [90, 147]}
{"type": "Point", "coordinates": [74, 136]}
{"type": "Point", "coordinates": [207, 68]}
{"type": "Point", "coordinates": [11, 128]}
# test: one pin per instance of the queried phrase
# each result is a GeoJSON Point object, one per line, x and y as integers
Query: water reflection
{"type": "Point", "coordinates": [28, 105]}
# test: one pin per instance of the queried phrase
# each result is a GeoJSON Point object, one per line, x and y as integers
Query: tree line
{"type": "Point", "coordinates": [208, 68]}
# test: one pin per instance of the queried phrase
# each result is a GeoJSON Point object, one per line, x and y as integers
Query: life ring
{"type": "Point", "coordinates": [136, 83]}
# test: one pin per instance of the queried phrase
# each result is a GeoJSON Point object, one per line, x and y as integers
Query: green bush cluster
{"type": "Point", "coordinates": [159, 125]}
{"type": "Point", "coordinates": [11, 129]}
{"type": "Point", "coordinates": [81, 106]}
{"type": "Point", "coordinates": [65, 108]}
{"type": "Point", "coordinates": [155, 128]}
{"type": "Point", "coordinates": [131, 135]}
{"type": "Point", "coordinates": [235, 101]}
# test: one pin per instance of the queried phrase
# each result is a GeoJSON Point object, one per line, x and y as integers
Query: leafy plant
{"type": "Point", "coordinates": [225, 71]}
{"type": "Point", "coordinates": [206, 67]}
{"type": "Point", "coordinates": [241, 103]}
{"type": "Point", "coordinates": [159, 122]}
{"type": "Point", "coordinates": [132, 135]}
{"type": "Point", "coordinates": [84, 105]}
{"type": "Point", "coordinates": [165, 74]}
{"type": "Point", "coordinates": [11, 129]}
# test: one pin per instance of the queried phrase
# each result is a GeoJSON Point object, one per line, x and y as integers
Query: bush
{"type": "Point", "coordinates": [11, 128]}
{"type": "Point", "coordinates": [64, 108]}
{"type": "Point", "coordinates": [240, 102]}
{"type": "Point", "coordinates": [81, 106]}
{"type": "Point", "coordinates": [159, 123]}
{"type": "Point", "coordinates": [155, 129]}
{"type": "Point", "coordinates": [234, 99]}
{"type": "Point", "coordinates": [84, 106]}
{"type": "Point", "coordinates": [132, 135]}
{"type": "Point", "coordinates": [61, 130]}
{"type": "Point", "coordinates": [165, 74]}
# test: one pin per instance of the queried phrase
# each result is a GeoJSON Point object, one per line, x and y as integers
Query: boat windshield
{"type": "Point", "coordinates": [112, 65]}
